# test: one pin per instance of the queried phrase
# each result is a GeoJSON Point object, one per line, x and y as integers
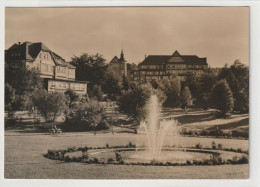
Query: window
{"type": "Point", "coordinates": [64, 85]}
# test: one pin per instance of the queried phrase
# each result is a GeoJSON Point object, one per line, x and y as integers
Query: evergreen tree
{"type": "Point", "coordinates": [186, 99]}
{"type": "Point", "coordinates": [221, 97]}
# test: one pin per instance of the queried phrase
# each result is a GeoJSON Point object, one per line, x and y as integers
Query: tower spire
{"type": "Point", "coordinates": [122, 56]}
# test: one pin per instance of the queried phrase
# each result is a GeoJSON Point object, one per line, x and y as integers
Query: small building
{"type": "Point", "coordinates": [118, 65]}
{"type": "Point", "coordinates": [159, 67]}
{"type": "Point", "coordinates": [58, 74]}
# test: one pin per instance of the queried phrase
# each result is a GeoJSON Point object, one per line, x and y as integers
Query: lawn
{"type": "Point", "coordinates": [23, 159]}
{"type": "Point", "coordinates": [26, 144]}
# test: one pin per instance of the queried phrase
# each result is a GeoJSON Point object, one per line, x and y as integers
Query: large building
{"type": "Point", "coordinates": [163, 66]}
{"type": "Point", "coordinates": [58, 75]}
{"type": "Point", "coordinates": [119, 65]}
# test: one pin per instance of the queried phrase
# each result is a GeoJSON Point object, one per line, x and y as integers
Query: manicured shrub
{"type": "Point", "coordinates": [220, 146]}
{"type": "Point", "coordinates": [213, 144]}
{"type": "Point", "coordinates": [188, 162]}
{"type": "Point", "coordinates": [198, 146]}
{"type": "Point", "coordinates": [243, 160]}
{"type": "Point", "coordinates": [72, 149]}
{"type": "Point", "coordinates": [95, 160]}
{"type": "Point", "coordinates": [107, 145]}
{"type": "Point", "coordinates": [154, 162]}
{"type": "Point", "coordinates": [110, 160]}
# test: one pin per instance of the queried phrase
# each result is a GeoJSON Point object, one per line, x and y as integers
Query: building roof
{"type": "Point", "coordinates": [29, 51]}
{"type": "Point", "coordinates": [175, 58]}
{"type": "Point", "coordinates": [119, 60]}
{"type": "Point", "coordinates": [115, 60]}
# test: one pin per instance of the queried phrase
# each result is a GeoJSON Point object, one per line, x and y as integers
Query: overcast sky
{"type": "Point", "coordinates": [219, 33]}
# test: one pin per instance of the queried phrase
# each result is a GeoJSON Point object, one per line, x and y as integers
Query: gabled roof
{"type": "Point", "coordinates": [29, 51]}
{"type": "Point", "coordinates": [115, 60]}
{"type": "Point", "coordinates": [175, 58]}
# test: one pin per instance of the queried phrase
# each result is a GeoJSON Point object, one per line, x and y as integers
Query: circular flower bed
{"type": "Point", "coordinates": [123, 155]}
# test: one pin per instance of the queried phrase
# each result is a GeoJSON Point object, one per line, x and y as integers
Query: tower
{"type": "Point", "coordinates": [122, 56]}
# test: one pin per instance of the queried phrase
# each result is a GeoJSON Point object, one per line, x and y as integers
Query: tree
{"type": "Point", "coordinates": [111, 86]}
{"type": "Point", "coordinates": [96, 92]}
{"type": "Point", "coordinates": [23, 82]}
{"type": "Point", "coordinates": [134, 101]}
{"type": "Point", "coordinates": [237, 76]}
{"type": "Point", "coordinates": [186, 99]}
{"type": "Point", "coordinates": [192, 81]}
{"type": "Point", "coordinates": [125, 84]}
{"type": "Point", "coordinates": [49, 104]}
{"type": "Point", "coordinates": [221, 97]}
{"type": "Point", "coordinates": [171, 89]}
{"type": "Point", "coordinates": [72, 97]}
{"type": "Point", "coordinates": [86, 116]}
{"type": "Point", "coordinates": [206, 81]}
{"type": "Point", "coordinates": [9, 99]}
{"type": "Point", "coordinates": [90, 68]}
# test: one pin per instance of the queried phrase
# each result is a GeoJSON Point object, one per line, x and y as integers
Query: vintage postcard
{"type": "Point", "coordinates": [126, 92]}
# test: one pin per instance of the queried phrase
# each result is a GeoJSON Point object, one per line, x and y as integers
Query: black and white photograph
{"type": "Point", "coordinates": [138, 92]}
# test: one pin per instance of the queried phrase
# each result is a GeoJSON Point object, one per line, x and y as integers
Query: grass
{"type": "Point", "coordinates": [25, 145]}
{"type": "Point", "coordinates": [24, 159]}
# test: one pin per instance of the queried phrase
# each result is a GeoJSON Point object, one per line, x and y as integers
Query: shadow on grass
{"type": "Point", "coordinates": [185, 119]}
{"type": "Point", "coordinates": [232, 125]}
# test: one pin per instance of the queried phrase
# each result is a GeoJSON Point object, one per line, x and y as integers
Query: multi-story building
{"type": "Point", "coordinates": [163, 66]}
{"type": "Point", "coordinates": [58, 75]}
{"type": "Point", "coordinates": [119, 65]}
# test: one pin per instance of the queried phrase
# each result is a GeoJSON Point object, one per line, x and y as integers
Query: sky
{"type": "Point", "coordinates": [219, 33]}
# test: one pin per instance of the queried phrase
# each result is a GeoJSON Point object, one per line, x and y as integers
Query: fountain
{"type": "Point", "coordinates": [154, 134]}
{"type": "Point", "coordinates": [155, 129]}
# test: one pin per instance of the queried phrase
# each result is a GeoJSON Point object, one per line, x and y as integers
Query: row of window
{"type": "Point", "coordinates": [66, 85]}
{"type": "Point", "coordinates": [174, 66]}
{"type": "Point", "coordinates": [152, 66]}
{"type": "Point", "coordinates": [152, 72]}
{"type": "Point", "coordinates": [61, 70]}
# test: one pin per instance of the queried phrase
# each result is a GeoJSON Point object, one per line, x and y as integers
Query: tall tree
{"type": "Point", "coordinates": [237, 76]}
{"type": "Point", "coordinates": [171, 88]}
{"type": "Point", "coordinates": [186, 99]}
{"type": "Point", "coordinates": [134, 101]}
{"type": "Point", "coordinates": [111, 85]}
{"type": "Point", "coordinates": [90, 68]}
{"type": "Point", "coordinates": [23, 82]}
{"type": "Point", "coordinates": [221, 97]}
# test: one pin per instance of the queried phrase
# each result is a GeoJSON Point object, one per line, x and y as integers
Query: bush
{"type": "Point", "coordinates": [214, 146]}
{"type": "Point", "coordinates": [220, 146]}
{"type": "Point", "coordinates": [95, 160]}
{"type": "Point", "coordinates": [110, 160]}
{"type": "Point", "coordinates": [72, 149]}
{"type": "Point", "coordinates": [198, 146]}
{"type": "Point", "coordinates": [103, 125]}
{"type": "Point", "coordinates": [243, 160]}
{"type": "Point", "coordinates": [86, 116]}
{"type": "Point", "coordinates": [49, 104]}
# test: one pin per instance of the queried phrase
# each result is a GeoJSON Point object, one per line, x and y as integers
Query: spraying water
{"type": "Point", "coordinates": [155, 129]}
